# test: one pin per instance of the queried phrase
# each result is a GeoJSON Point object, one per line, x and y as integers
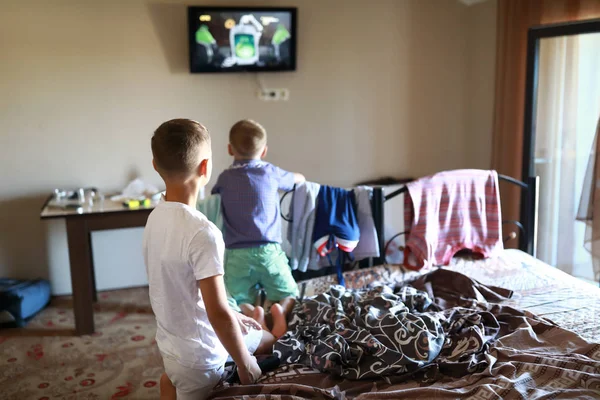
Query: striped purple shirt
{"type": "Point", "coordinates": [250, 202]}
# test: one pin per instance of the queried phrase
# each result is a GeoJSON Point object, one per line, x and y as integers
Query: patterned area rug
{"type": "Point", "coordinates": [121, 360]}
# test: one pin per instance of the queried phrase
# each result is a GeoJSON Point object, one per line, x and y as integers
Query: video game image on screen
{"type": "Point", "coordinates": [238, 40]}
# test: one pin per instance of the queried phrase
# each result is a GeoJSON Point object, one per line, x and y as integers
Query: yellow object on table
{"type": "Point", "coordinates": [133, 204]}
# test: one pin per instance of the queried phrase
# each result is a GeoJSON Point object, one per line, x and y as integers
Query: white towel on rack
{"type": "Point", "coordinates": [300, 230]}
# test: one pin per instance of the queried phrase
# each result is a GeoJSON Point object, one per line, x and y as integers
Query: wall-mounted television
{"type": "Point", "coordinates": [242, 39]}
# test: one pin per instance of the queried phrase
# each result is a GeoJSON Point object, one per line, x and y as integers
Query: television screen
{"type": "Point", "coordinates": [242, 39]}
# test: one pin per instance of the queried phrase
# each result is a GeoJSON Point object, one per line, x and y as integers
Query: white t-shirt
{"type": "Point", "coordinates": [181, 247]}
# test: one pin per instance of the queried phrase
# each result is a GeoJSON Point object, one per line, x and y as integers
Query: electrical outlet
{"type": "Point", "coordinates": [284, 94]}
{"type": "Point", "coordinates": [268, 95]}
{"type": "Point", "coordinates": [273, 94]}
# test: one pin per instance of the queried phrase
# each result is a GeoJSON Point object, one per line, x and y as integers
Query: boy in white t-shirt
{"type": "Point", "coordinates": [183, 252]}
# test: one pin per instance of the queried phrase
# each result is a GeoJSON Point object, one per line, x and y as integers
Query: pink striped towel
{"type": "Point", "coordinates": [451, 211]}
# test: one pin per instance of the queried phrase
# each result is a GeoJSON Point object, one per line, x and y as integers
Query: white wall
{"type": "Point", "coordinates": [380, 90]}
{"type": "Point", "coordinates": [481, 75]}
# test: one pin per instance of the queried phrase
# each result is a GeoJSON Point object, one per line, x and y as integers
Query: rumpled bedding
{"type": "Point", "coordinates": [434, 323]}
{"type": "Point", "coordinates": [550, 350]}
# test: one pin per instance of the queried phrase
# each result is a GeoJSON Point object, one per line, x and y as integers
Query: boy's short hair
{"type": "Point", "coordinates": [248, 138]}
{"type": "Point", "coordinates": [176, 145]}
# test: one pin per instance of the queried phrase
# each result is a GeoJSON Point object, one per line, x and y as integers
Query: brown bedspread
{"type": "Point", "coordinates": [550, 351]}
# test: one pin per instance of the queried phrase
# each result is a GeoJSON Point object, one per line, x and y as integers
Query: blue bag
{"type": "Point", "coordinates": [20, 300]}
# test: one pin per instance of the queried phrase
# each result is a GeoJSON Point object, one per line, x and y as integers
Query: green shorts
{"type": "Point", "coordinates": [265, 265]}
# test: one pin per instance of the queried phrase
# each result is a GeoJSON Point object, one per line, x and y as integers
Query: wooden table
{"type": "Point", "coordinates": [103, 215]}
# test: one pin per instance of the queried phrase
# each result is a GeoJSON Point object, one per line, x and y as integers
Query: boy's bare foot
{"type": "Point", "coordinates": [259, 316]}
{"type": "Point", "coordinates": [279, 321]}
{"type": "Point", "coordinates": [167, 390]}
{"type": "Point", "coordinates": [288, 305]}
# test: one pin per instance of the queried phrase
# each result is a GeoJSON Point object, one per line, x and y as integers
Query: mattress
{"type": "Point", "coordinates": [560, 359]}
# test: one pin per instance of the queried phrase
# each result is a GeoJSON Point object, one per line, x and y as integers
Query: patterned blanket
{"type": "Point", "coordinates": [531, 356]}
{"type": "Point", "coordinates": [358, 334]}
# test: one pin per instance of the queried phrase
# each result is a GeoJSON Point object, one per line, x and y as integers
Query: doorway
{"type": "Point", "coordinates": [562, 113]}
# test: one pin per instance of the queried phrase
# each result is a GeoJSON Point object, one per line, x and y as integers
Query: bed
{"type": "Point", "coordinates": [547, 345]}
{"type": "Point", "coordinates": [553, 355]}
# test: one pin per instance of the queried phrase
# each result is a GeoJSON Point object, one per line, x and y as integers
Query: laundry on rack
{"type": "Point", "coordinates": [336, 225]}
{"type": "Point", "coordinates": [211, 208]}
{"type": "Point", "coordinates": [299, 231]}
{"type": "Point", "coordinates": [368, 244]}
{"type": "Point", "coordinates": [452, 211]}
{"type": "Point", "coordinates": [302, 211]}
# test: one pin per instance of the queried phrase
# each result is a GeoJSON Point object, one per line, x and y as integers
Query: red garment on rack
{"type": "Point", "coordinates": [452, 211]}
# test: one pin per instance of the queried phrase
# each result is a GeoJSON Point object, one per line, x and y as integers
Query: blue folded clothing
{"type": "Point", "coordinates": [20, 300]}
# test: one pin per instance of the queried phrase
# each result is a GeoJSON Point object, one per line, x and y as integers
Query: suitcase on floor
{"type": "Point", "coordinates": [20, 300]}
